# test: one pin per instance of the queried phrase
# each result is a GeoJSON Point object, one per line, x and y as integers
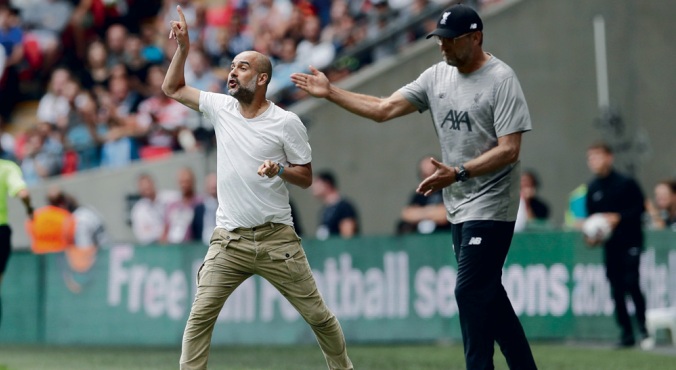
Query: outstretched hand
{"type": "Point", "coordinates": [315, 84]}
{"type": "Point", "coordinates": [179, 30]}
{"type": "Point", "coordinates": [441, 178]}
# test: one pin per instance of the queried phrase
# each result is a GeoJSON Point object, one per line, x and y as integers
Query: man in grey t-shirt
{"type": "Point", "coordinates": [479, 113]}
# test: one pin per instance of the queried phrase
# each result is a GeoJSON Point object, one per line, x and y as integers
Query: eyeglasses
{"type": "Point", "coordinates": [440, 39]}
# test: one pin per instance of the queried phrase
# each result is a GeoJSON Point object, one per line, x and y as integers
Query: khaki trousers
{"type": "Point", "coordinates": [274, 252]}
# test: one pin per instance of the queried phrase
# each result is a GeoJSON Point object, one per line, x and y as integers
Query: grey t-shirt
{"type": "Point", "coordinates": [470, 112]}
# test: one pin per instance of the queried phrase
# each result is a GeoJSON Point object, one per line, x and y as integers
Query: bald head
{"type": "Point", "coordinates": [260, 62]}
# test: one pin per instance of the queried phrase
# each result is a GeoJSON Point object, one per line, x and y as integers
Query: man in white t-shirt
{"type": "Point", "coordinates": [260, 147]}
{"type": "Point", "coordinates": [147, 214]}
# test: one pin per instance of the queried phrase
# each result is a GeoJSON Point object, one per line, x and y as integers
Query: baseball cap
{"type": "Point", "coordinates": [457, 21]}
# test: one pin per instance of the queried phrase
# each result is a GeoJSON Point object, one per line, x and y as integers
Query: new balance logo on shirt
{"type": "Point", "coordinates": [474, 241]}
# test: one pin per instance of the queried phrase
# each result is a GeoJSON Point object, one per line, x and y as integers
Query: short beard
{"type": "Point", "coordinates": [245, 94]}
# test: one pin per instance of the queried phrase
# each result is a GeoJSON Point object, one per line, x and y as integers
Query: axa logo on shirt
{"type": "Point", "coordinates": [456, 118]}
{"type": "Point", "coordinates": [474, 241]}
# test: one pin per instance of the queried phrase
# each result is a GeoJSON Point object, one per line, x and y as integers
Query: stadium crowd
{"type": "Point", "coordinates": [96, 68]}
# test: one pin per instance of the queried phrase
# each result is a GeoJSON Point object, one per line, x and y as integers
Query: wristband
{"type": "Point", "coordinates": [281, 169]}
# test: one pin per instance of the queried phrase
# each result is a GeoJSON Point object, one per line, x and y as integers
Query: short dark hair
{"type": "Point", "coordinates": [601, 145]}
{"type": "Point", "coordinates": [328, 177]}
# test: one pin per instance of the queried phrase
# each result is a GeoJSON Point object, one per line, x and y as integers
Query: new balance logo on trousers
{"type": "Point", "coordinates": [474, 241]}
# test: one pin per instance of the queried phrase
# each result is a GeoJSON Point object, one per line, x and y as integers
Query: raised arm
{"type": "Point", "coordinates": [377, 109]}
{"type": "Point", "coordinates": [174, 82]}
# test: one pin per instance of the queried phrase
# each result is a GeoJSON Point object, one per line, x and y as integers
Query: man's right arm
{"type": "Point", "coordinates": [25, 197]}
{"type": "Point", "coordinates": [375, 108]}
{"type": "Point", "coordinates": [174, 82]}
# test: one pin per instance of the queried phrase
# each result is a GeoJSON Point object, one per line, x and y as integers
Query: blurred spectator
{"type": "Point", "coordinates": [281, 88]}
{"type": "Point", "coordinates": [39, 158]}
{"type": "Point", "coordinates": [381, 19]}
{"type": "Point", "coordinates": [241, 39]}
{"type": "Point", "coordinates": [89, 234]}
{"type": "Point", "coordinates": [533, 211]}
{"type": "Point", "coordinates": [119, 147]}
{"type": "Point", "coordinates": [160, 118]}
{"type": "Point", "coordinates": [150, 39]}
{"type": "Point", "coordinates": [54, 104]}
{"type": "Point", "coordinates": [576, 211]}
{"type": "Point", "coordinates": [424, 215]}
{"type": "Point", "coordinates": [7, 144]}
{"type": "Point", "coordinates": [428, 25]}
{"type": "Point", "coordinates": [52, 228]}
{"type": "Point", "coordinates": [116, 39]}
{"type": "Point", "coordinates": [268, 15]}
{"type": "Point", "coordinates": [147, 214]}
{"type": "Point", "coordinates": [312, 50]}
{"type": "Point", "coordinates": [44, 21]}
{"type": "Point", "coordinates": [179, 214]}
{"type": "Point", "coordinates": [199, 74]}
{"type": "Point", "coordinates": [124, 101]}
{"type": "Point", "coordinates": [90, 230]}
{"type": "Point", "coordinates": [95, 76]}
{"type": "Point", "coordinates": [204, 220]}
{"type": "Point", "coordinates": [665, 205]}
{"type": "Point", "coordinates": [217, 42]}
{"type": "Point", "coordinates": [135, 62]}
{"type": "Point", "coordinates": [338, 217]}
{"type": "Point", "coordinates": [84, 134]}
{"type": "Point", "coordinates": [294, 26]}
{"type": "Point", "coordinates": [11, 37]}
{"type": "Point", "coordinates": [341, 26]}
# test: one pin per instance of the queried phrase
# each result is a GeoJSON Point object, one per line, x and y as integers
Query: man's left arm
{"type": "Point", "coordinates": [297, 174]}
{"type": "Point", "coordinates": [505, 153]}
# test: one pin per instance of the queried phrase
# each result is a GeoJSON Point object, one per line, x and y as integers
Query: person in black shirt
{"type": "Point", "coordinates": [424, 214]}
{"type": "Point", "coordinates": [620, 199]}
{"type": "Point", "coordinates": [338, 217]}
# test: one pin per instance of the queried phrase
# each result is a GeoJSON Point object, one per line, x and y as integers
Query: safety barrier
{"type": "Point", "coordinates": [383, 289]}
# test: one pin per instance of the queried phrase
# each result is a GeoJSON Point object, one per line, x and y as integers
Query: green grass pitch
{"type": "Point", "coordinates": [367, 357]}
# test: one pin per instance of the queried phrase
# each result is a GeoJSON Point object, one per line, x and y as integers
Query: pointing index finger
{"type": "Point", "coordinates": [180, 13]}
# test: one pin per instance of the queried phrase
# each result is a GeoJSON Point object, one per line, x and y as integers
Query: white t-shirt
{"type": "Point", "coordinates": [244, 198]}
{"type": "Point", "coordinates": [147, 216]}
{"type": "Point", "coordinates": [89, 228]}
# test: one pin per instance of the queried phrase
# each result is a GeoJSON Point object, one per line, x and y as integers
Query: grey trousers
{"type": "Point", "coordinates": [274, 252]}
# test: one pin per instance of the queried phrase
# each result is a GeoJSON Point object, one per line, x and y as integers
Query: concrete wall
{"type": "Point", "coordinates": [106, 192]}
{"type": "Point", "coordinates": [549, 43]}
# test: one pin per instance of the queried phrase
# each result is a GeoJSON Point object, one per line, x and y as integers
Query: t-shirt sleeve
{"type": "Point", "coordinates": [511, 111]}
{"type": "Point", "coordinates": [206, 104]}
{"type": "Point", "coordinates": [416, 91]}
{"type": "Point", "coordinates": [296, 143]}
{"type": "Point", "coordinates": [15, 182]}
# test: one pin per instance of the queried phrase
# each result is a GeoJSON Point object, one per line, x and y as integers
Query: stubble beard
{"type": "Point", "coordinates": [245, 93]}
